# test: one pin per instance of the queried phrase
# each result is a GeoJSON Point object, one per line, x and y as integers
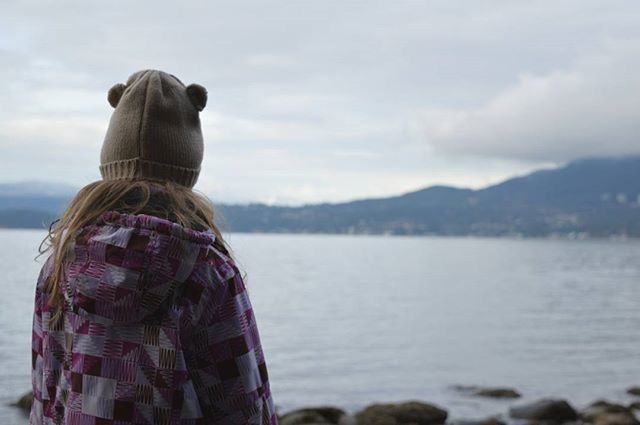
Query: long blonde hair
{"type": "Point", "coordinates": [167, 200]}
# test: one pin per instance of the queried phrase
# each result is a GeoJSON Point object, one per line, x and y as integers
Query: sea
{"type": "Point", "coordinates": [349, 321]}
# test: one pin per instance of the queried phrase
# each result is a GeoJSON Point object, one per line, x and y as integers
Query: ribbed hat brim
{"type": "Point", "coordinates": [138, 168]}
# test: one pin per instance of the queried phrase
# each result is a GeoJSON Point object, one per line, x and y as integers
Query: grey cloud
{"type": "Point", "coordinates": [308, 99]}
{"type": "Point", "coordinates": [590, 109]}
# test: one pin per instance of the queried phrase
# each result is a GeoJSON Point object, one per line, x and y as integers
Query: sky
{"type": "Point", "coordinates": [327, 101]}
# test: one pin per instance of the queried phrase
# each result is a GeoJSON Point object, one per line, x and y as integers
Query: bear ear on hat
{"type": "Point", "coordinates": [197, 95]}
{"type": "Point", "coordinates": [115, 93]}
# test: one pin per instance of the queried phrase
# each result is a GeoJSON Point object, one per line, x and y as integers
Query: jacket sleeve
{"type": "Point", "coordinates": [224, 354]}
{"type": "Point", "coordinates": [38, 384]}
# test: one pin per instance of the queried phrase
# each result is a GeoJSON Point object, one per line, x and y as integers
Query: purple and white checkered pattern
{"type": "Point", "coordinates": [157, 329]}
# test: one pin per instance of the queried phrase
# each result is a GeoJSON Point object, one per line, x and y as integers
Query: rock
{"type": "Point", "coordinates": [347, 420]}
{"type": "Point", "coordinates": [634, 391]}
{"type": "Point", "coordinates": [488, 421]}
{"type": "Point", "coordinates": [331, 414]}
{"type": "Point", "coordinates": [374, 416]}
{"type": "Point", "coordinates": [465, 388]}
{"type": "Point", "coordinates": [410, 412]}
{"type": "Point", "coordinates": [601, 407]}
{"type": "Point", "coordinates": [497, 393]}
{"type": "Point", "coordinates": [25, 402]}
{"type": "Point", "coordinates": [616, 419]}
{"type": "Point", "coordinates": [494, 392]}
{"type": "Point", "coordinates": [603, 412]}
{"type": "Point", "coordinates": [312, 415]}
{"type": "Point", "coordinates": [302, 418]}
{"type": "Point", "coordinates": [545, 410]}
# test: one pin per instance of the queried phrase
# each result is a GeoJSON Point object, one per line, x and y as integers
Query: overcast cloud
{"type": "Point", "coordinates": [329, 100]}
{"type": "Point", "coordinates": [589, 109]}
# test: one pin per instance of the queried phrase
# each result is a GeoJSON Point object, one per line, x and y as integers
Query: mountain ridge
{"type": "Point", "coordinates": [595, 197]}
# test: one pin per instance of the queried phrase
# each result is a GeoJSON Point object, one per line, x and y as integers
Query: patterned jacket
{"type": "Point", "coordinates": [157, 329]}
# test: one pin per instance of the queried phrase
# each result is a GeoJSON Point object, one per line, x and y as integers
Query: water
{"type": "Point", "coordinates": [351, 320]}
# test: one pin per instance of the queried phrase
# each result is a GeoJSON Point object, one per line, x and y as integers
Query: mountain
{"type": "Point", "coordinates": [32, 198]}
{"type": "Point", "coordinates": [26, 218]}
{"type": "Point", "coordinates": [591, 197]}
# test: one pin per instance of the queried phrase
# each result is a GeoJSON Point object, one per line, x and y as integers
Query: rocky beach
{"type": "Point", "coordinates": [544, 411]}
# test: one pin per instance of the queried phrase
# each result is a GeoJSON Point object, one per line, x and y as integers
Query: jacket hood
{"type": "Point", "coordinates": [130, 267]}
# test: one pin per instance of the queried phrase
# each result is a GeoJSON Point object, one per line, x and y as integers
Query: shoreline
{"type": "Point", "coordinates": [578, 236]}
{"type": "Point", "coordinates": [546, 411]}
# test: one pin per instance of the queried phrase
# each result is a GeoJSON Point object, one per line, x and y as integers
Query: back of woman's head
{"type": "Point", "coordinates": [149, 162]}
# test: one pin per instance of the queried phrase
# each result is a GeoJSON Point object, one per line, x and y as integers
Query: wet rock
{"type": "Point", "coordinates": [545, 410]}
{"type": "Point", "coordinates": [601, 407]}
{"type": "Point", "coordinates": [465, 388]}
{"type": "Point", "coordinates": [497, 393]}
{"type": "Point", "coordinates": [493, 392]}
{"type": "Point", "coordinates": [634, 391]}
{"type": "Point", "coordinates": [488, 421]}
{"type": "Point", "coordinates": [411, 412]}
{"type": "Point", "coordinates": [616, 419]}
{"type": "Point", "coordinates": [348, 420]}
{"type": "Point", "coordinates": [25, 402]}
{"type": "Point", "coordinates": [603, 412]}
{"type": "Point", "coordinates": [312, 415]}
{"type": "Point", "coordinates": [300, 418]}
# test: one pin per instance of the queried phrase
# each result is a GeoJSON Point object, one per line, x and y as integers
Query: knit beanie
{"type": "Point", "coordinates": [154, 132]}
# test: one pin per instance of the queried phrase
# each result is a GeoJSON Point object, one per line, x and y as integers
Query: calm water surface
{"type": "Point", "coordinates": [350, 320]}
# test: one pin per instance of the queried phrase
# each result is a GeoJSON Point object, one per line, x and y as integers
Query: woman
{"type": "Point", "coordinates": [141, 315]}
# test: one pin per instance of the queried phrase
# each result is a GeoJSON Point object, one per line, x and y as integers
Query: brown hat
{"type": "Point", "coordinates": [154, 132]}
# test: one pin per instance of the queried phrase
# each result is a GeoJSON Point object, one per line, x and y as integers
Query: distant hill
{"type": "Point", "coordinates": [592, 197]}
{"type": "Point", "coordinates": [38, 200]}
{"type": "Point", "coordinates": [26, 218]}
